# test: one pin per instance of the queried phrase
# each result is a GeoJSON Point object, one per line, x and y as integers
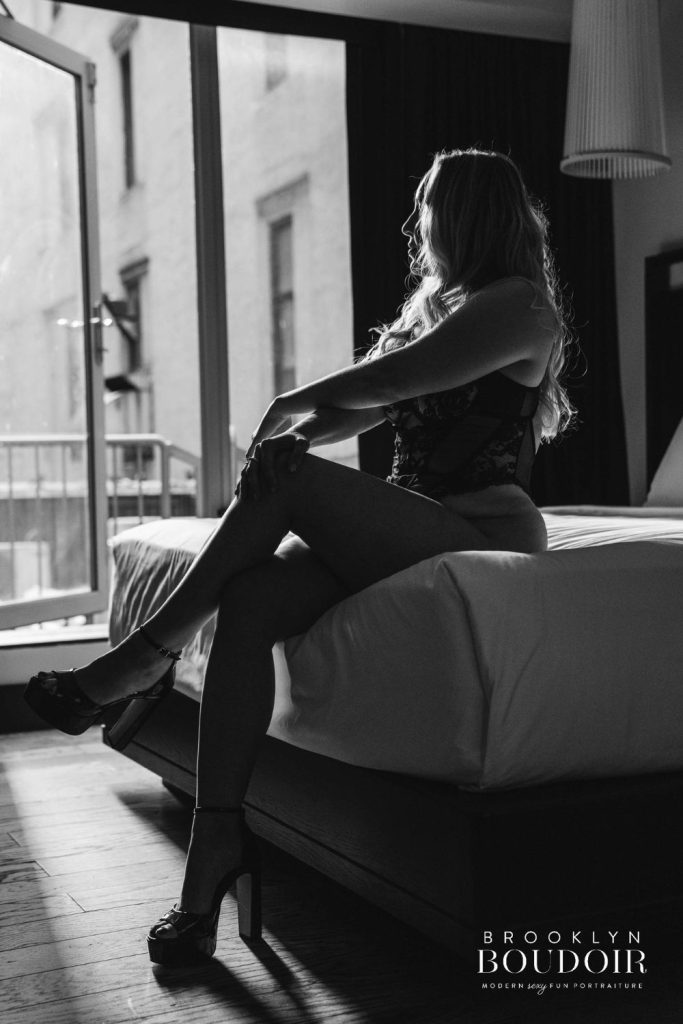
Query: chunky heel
{"type": "Point", "coordinates": [248, 892]}
{"type": "Point", "coordinates": [180, 938]}
{"type": "Point", "coordinates": [121, 732]}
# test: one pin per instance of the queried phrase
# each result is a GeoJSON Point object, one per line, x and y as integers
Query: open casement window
{"type": "Point", "coordinates": [52, 488]}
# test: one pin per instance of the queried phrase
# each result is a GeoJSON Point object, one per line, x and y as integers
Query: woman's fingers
{"type": "Point", "coordinates": [266, 467]}
{"type": "Point", "coordinates": [249, 481]}
{"type": "Point", "coordinates": [266, 460]}
{"type": "Point", "coordinates": [297, 455]}
{"type": "Point", "coordinates": [254, 474]}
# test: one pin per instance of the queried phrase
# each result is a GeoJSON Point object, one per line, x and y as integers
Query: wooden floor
{"type": "Point", "coordinates": [92, 849]}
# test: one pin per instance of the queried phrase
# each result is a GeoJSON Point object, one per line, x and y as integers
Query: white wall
{"type": "Point", "coordinates": [648, 219]}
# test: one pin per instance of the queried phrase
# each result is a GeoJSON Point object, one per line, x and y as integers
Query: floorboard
{"type": "Point", "coordinates": [91, 853]}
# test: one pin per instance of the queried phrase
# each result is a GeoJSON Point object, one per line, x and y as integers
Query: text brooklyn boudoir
{"type": "Point", "coordinates": [616, 952]}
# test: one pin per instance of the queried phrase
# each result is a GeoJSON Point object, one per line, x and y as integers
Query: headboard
{"type": "Point", "coordinates": [664, 352]}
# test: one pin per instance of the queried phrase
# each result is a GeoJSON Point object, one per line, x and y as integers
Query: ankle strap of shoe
{"type": "Point", "coordinates": [159, 648]}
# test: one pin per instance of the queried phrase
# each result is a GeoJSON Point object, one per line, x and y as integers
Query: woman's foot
{"type": "Point", "coordinates": [131, 666]}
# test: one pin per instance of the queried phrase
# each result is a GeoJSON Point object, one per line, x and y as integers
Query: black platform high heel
{"type": "Point", "coordinates": [59, 700]}
{"type": "Point", "coordinates": [193, 936]}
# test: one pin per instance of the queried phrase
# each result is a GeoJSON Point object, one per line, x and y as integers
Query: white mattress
{"type": "Point", "coordinates": [484, 669]}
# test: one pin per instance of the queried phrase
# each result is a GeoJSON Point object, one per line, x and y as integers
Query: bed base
{"type": "Point", "coordinates": [453, 863]}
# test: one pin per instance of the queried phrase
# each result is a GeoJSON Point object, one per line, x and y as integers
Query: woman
{"type": "Point", "coordinates": [468, 376]}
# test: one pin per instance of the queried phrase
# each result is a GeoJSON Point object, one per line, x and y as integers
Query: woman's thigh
{"type": "Point", "coordinates": [364, 529]}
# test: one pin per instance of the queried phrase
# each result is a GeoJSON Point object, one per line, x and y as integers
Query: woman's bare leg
{"type": "Point", "coordinates": [376, 531]}
{"type": "Point", "coordinates": [278, 598]}
{"type": "Point", "coordinates": [360, 527]}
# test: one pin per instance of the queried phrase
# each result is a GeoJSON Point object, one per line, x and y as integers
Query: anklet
{"type": "Point", "coordinates": [159, 648]}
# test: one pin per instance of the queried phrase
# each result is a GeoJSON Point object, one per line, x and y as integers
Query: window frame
{"type": "Point", "coordinates": [19, 613]}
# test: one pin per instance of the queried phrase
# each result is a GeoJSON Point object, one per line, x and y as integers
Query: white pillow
{"type": "Point", "coordinates": [667, 485]}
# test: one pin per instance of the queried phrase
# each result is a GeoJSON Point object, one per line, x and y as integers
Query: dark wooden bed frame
{"type": "Point", "coordinates": [453, 863]}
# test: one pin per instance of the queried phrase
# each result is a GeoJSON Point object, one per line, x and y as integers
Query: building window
{"type": "Point", "coordinates": [131, 278]}
{"type": "Point", "coordinates": [282, 304]}
{"type": "Point", "coordinates": [121, 45]}
{"type": "Point", "coordinates": [276, 59]}
{"type": "Point", "coordinates": [138, 410]}
{"type": "Point", "coordinates": [127, 105]}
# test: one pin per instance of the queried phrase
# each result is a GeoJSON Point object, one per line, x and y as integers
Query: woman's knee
{"type": "Point", "coordinates": [248, 606]}
{"type": "Point", "coordinates": [280, 597]}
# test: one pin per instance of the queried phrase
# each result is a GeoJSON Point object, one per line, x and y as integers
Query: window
{"type": "Point", "coordinates": [127, 106]}
{"type": "Point", "coordinates": [121, 44]}
{"type": "Point", "coordinates": [52, 526]}
{"type": "Point", "coordinates": [282, 299]}
{"type": "Point", "coordinates": [131, 279]}
{"type": "Point", "coordinates": [275, 49]}
{"type": "Point", "coordinates": [287, 270]}
{"type": "Point", "coordinates": [46, 504]}
{"type": "Point", "coordinates": [129, 384]}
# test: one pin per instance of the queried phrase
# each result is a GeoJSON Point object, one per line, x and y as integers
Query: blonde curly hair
{"type": "Point", "coordinates": [474, 223]}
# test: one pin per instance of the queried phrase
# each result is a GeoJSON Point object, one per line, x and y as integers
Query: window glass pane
{"type": "Point", "coordinates": [145, 166]}
{"type": "Point", "coordinates": [282, 256]}
{"type": "Point", "coordinates": [45, 539]}
{"type": "Point", "coordinates": [283, 123]}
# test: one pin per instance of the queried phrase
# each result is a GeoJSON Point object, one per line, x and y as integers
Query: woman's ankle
{"type": "Point", "coordinates": [130, 666]}
{"type": "Point", "coordinates": [215, 850]}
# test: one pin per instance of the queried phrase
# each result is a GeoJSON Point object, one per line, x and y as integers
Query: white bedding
{"type": "Point", "coordinates": [590, 525]}
{"type": "Point", "coordinates": [484, 669]}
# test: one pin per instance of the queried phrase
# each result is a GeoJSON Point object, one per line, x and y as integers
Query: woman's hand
{"type": "Point", "coordinates": [276, 418]}
{"type": "Point", "coordinates": [267, 459]}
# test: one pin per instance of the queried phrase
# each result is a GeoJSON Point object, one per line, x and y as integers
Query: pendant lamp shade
{"type": "Point", "coordinates": [615, 116]}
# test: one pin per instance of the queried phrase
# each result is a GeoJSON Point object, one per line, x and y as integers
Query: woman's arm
{"type": "Point", "coordinates": [327, 425]}
{"type": "Point", "coordinates": [496, 328]}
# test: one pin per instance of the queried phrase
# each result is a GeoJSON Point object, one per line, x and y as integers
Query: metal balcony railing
{"type": "Point", "coordinates": [44, 495]}
{"type": "Point", "coordinates": [132, 480]}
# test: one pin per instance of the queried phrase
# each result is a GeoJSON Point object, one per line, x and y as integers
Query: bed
{"type": "Point", "coordinates": [430, 743]}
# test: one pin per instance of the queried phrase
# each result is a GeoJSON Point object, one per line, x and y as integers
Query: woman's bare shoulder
{"type": "Point", "coordinates": [515, 287]}
{"type": "Point", "coordinates": [521, 298]}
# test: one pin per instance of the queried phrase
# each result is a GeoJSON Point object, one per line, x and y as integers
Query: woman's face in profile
{"type": "Point", "coordinates": [409, 229]}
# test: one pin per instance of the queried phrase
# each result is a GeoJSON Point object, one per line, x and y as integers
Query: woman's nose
{"type": "Point", "coordinates": [408, 225]}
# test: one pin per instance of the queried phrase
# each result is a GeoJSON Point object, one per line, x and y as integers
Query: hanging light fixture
{"type": "Point", "coordinates": [615, 116]}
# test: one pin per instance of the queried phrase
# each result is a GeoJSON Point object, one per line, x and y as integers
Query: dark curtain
{"type": "Point", "coordinates": [416, 91]}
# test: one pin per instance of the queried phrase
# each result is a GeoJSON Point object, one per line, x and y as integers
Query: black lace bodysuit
{"type": "Point", "coordinates": [466, 438]}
